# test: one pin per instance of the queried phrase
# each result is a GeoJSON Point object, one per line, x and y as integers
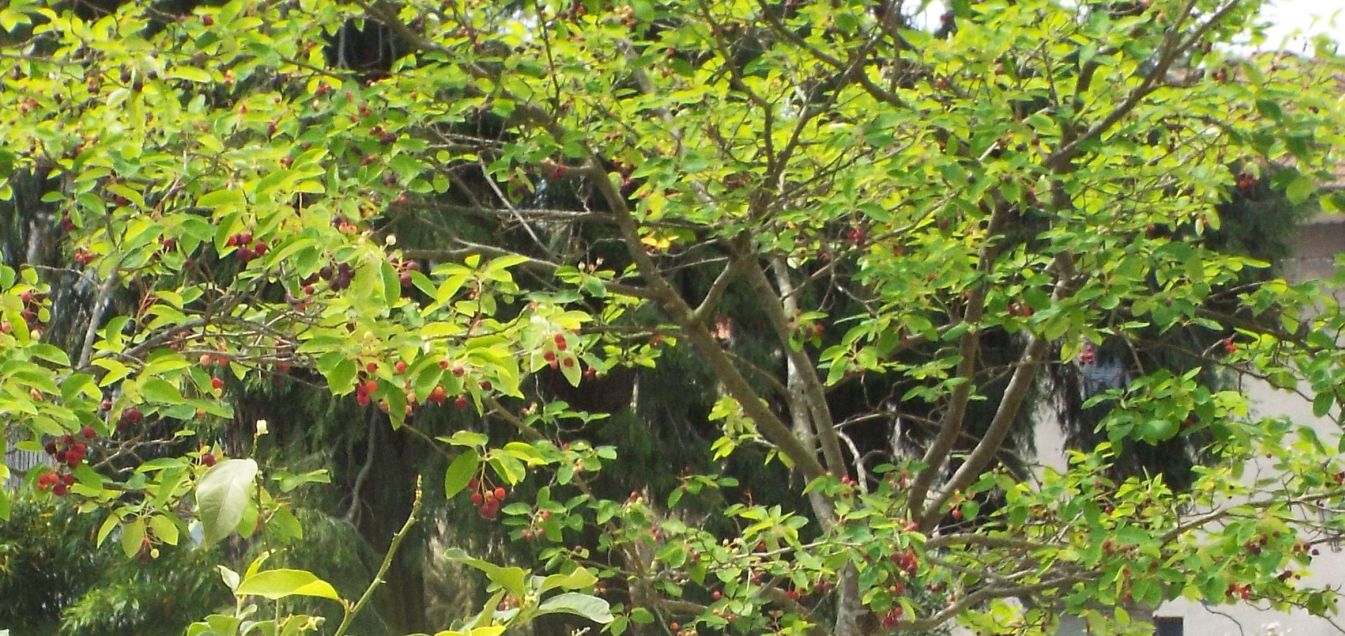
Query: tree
{"type": "Point", "coordinates": [503, 210]}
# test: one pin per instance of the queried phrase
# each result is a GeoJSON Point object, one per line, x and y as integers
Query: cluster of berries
{"type": "Point", "coordinates": [69, 451]}
{"type": "Point", "coordinates": [339, 276]}
{"type": "Point", "coordinates": [485, 498]}
{"type": "Point", "coordinates": [892, 616]}
{"type": "Point", "coordinates": [247, 248]}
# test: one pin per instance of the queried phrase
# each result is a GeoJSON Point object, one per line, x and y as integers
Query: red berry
{"type": "Point", "coordinates": [88, 432]}
{"type": "Point", "coordinates": [208, 459]}
{"type": "Point", "coordinates": [458, 370]}
{"type": "Point", "coordinates": [372, 367]}
{"type": "Point", "coordinates": [216, 383]}
{"type": "Point", "coordinates": [438, 394]}
{"type": "Point", "coordinates": [460, 403]}
{"type": "Point", "coordinates": [400, 367]}
{"type": "Point", "coordinates": [499, 493]}
{"type": "Point", "coordinates": [477, 498]}
{"type": "Point", "coordinates": [370, 386]}
{"type": "Point", "coordinates": [716, 595]}
{"type": "Point", "coordinates": [59, 490]}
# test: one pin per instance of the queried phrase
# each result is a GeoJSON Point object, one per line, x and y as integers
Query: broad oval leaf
{"type": "Point", "coordinates": [275, 584]}
{"type": "Point", "coordinates": [460, 472]}
{"type": "Point", "coordinates": [222, 495]}
{"type": "Point", "coordinates": [585, 605]}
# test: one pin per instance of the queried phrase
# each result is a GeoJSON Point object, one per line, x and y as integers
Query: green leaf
{"type": "Point", "coordinates": [1321, 404]}
{"type": "Point", "coordinates": [285, 525]}
{"type": "Point", "coordinates": [160, 391]}
{"type": "Point", "coordinates": [277, 584]}
{"type": "Point", "coordinates": [109, 524]}
{"type": "Point", "coordinates": [580, 578]}
{"type": "Point", "coordinates": [229, 576]}
{"type": "Point", "coordinates": [132, 537]}
{"type": "Point", "coordinates": [392, 285]}
{"type": "Point", "coordinates": [189, 73]}
{"type": "Point", "coordinates": [585, 605]}
{"type": "Point", "coordinates": [222, 199]}
{"type": "Point", "coordinates": [222, 495]}
{"type": "Point", "coordinates": [164, 529]}
{"type": "Point", "coordinates": [460, 472]}
{"type": "Point", "coordinates": [341, 375]}
{"type": "Point", "coordinates": [1300, 189]}
{"type": "Point", "coordinates": [510, 578]}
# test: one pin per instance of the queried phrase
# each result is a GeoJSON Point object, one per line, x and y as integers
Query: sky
{"type": "Point", "coordinates": [1287, 16]}
{"type": "Point", "coordinates": [1284, 16]}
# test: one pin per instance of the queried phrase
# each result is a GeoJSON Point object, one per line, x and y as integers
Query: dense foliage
{"type": "Point", "coordinates": [727, 316]}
